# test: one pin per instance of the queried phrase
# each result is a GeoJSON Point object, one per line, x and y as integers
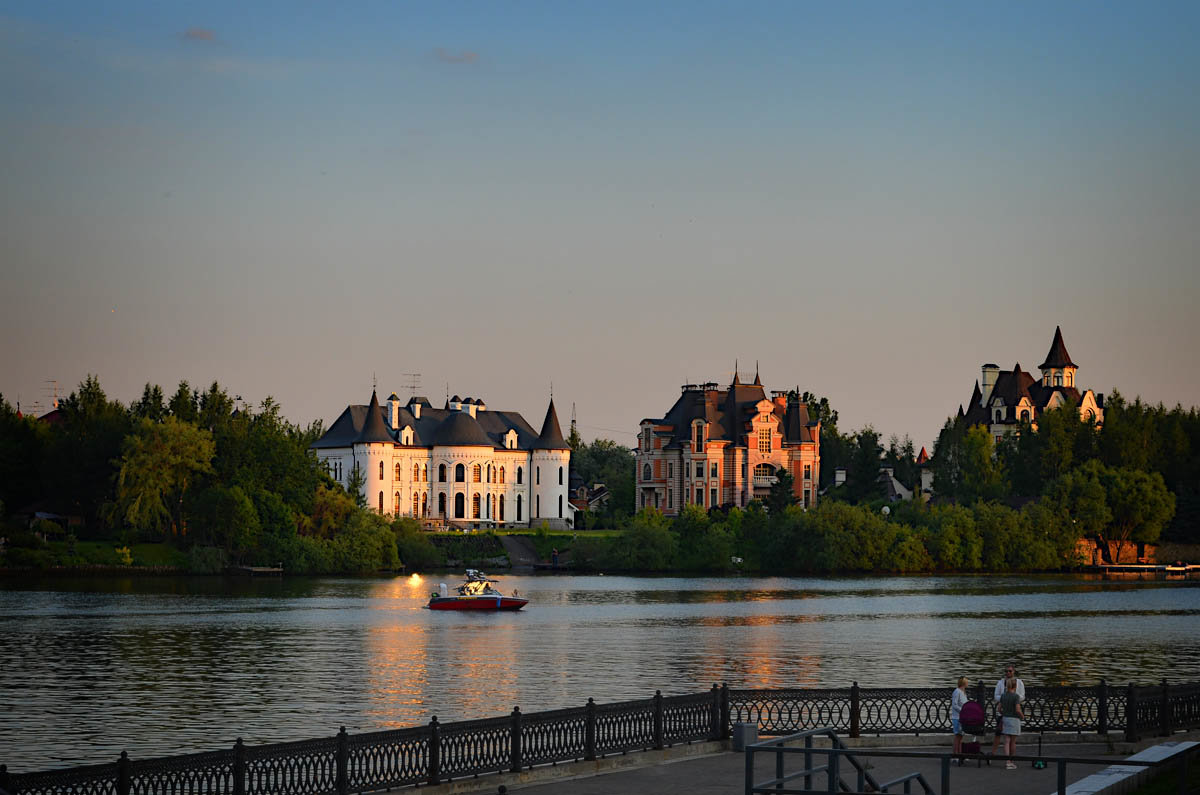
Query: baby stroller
{"type": "Point", "coordinates": [973, 719]}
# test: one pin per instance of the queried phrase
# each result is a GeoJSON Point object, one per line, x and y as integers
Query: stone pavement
{"type": "Point", "coordinates": [724, 773]}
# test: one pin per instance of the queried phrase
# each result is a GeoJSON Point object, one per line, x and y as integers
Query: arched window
{"type": "Point", "coordinates": [764, 471]}
{"type": "Point", "coordinates": [424, 503]}
{"type": "Point", "coordinates": [518, 505]}
{"type": "Point", "coordinates": [1070, 378]}
{"type": "Point", "coordinates": [646, 472]}
{"type": "Point", "coordinates": [397, 473]}
{"type": "Point", "coordinates": [476, 473]}
{"type": "Point", "coordinates": [560, 506]}
{"type": "Point", "coordinates": [460, 502]}
{"type": "Point", "coordinates": [491, 506]}
{"type": "Point", "coordinates": [488, 474]}
{"type": "Point", "coordinates": [1058, 379]}
{"type": "Point", "coordinates": [560, 476]}
{"type": "Point", "coordinates": [999, 415]}
{"type": "Point", "coordinates": [441, 473]}
{"type": "Point", "coordinates": [502, 507]}
{"type": "Point", "coordinates": [460, 473]}
{"type": "Point", "coordinates": [520, 474]}
{"type": "Point", "coordinates": [416, 504]}
{"type": "Point", "coordinates": [441, 505]}
{"type": "Point", "coordinates": [396, 504]}
{"type": "Point", "coordinates": [537, 505]}
{"type": "Point", "coordinates": [537, 479]}
{"type": "Point", "coordinates": [381, 502]}
{"type": "Point", "coordinates": [1024, 416]}
{"type": "Point", "coordinates": [424, 473]}
{"type": "Point", "coordinates": [381, 470]}
{"type": "Point", "coordinates": [475, 506]}
{"type": "Point", "coordinates": [416, 472]}
{"type": "Point", "coordinates": [501, 474]}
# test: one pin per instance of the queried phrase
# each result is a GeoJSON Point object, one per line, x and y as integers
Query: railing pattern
{"type": "Point", "coordinates": [441, 752]}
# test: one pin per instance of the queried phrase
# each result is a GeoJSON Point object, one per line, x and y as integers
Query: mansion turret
{"type": "Point", "coordinates": [724, 447]}
{"type": "Point", "coordinates": [1004, 399]}
{"type": "Point", "coordinates": [462, 464]}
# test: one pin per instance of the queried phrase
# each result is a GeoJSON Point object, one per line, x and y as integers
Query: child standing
{"type": "Point", "coordinates": [957, 699]}
{"type": "Point", "coordinates": [1011, 715]}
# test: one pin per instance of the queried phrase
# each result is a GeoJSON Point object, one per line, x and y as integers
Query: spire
{"type": "Point", "coordinates": [736, 381]}
{"type": "Point", "coordinates": [757, 381]}
{"type": "Point", "coordinates": [551, 437]}
{"type": "Point", "coordinates": [1058, 356]}
{"type": "Point", "coordinates": [374, 429]}
{"type": "Point", "coordinates": [976, 396]}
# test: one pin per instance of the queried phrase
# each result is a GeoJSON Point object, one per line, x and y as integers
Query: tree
{"type": "Point", "coordinates": [782, 494]}
{"type": "Point", "coordinates": [159, 462]}
{"type": "Point", "coordinates": [85, 447]}
{"type": "Point", "coordinates": [182, 405]}
{"type": "Point", "coordinates": [862, 476]}
{"type": "Point", "coordinates": [151, 405]}
{"type": "Point", "coordinates": [354, 486]}
{"type": "Point", "coordinates": [982, 475]}
{"type": "Point", "coordinates": [1140, 503]}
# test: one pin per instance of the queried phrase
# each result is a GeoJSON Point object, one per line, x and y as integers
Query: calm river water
{"type": "Point", "coordinates": [173, 665]}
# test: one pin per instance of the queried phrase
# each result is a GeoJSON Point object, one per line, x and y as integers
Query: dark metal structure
{"type": "Point", "coordinates": [438, 752]}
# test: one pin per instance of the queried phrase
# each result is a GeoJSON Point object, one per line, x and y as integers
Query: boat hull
{"type": "Point", "coordinates": [492, 603]}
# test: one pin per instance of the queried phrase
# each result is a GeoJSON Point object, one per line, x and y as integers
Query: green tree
{"type": "Point", "coordinates": [182, 405]}
{"type": "Point", "coordinates": [1140, 503]}
{"type": "Point", "coordinates": [982, 475]}
{"type": "Point", "coordinates": [862, 476]}
{"type": "Point", "coordinates": [159, 463]}
{"type": "Point", "coordinates": [354, 486]}
{"type": "Point", "coordinates": [781, 494]}
{"type": "Point", "coordinates": [84, 449]}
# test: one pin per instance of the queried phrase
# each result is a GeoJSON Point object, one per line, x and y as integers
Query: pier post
{"type": "Point", "coordinates": [1130, 713]}
{"type": "Point", "coordinates": [1164, 710]}
{"type": "Point", "coordinates": [658, 720]}
{"type": "Point", "coordinates": [343, 762]}
{"type": "Point", "coordinates": [515, 747]}
{"type": "Point", "coordinates": [435, 752]}
{"type": "Point", "coordinates": [125, 777]}
{"type": "Point", "coordinates": [589, 732]}
{"type": "Point", "coordinates": [239, 767]}
{"type": "Point", "coordinates": [1102, 698]}
{"type": "Point", "coordinates": [854, 710]}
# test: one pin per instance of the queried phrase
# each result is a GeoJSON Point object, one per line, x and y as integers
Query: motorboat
{"type": "Point", "coordinates": [477, 593]}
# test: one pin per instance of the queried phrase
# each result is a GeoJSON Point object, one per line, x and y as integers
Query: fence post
{"type": "Point", "coordinates": [435, 752]}
{"type": "Point", "coordinates": [343, 762]}
{"type": "Point", "coordinates": [589, 732]}
{"type": "Point", "coordinates": [854, 709]}
{"type": "Point", "coordinates": [1130, 713]}
{"type": "Point", "coordinates": [5, 779]}
{"type": "Point", "coordinates": [714, 714]}
{"type": "Point", "coordinates": [658, 720]}
{"type": "Point", "coordinates": [1164, 710]}
{"type": "Point", "coordinates": [239, 767]}
{"type": "Point", "coordinates": [124, 775]}
{"type": "Point", "coordinates": [1102, 697]}
{"type": "Point", "coordinates": [515, 756]}
{"type": "Point", "coordinates": [725, 723]}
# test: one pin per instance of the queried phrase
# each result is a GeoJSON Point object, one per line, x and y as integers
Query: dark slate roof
{"type": "Point", "coordinates": [1058, 356]}
{"type": "Point", "coordinates": [1011, 386]}
{"type": "Point", "coordinates": [393, 396]}
{"type": "Point", "coordinates": [346, 429]}
{"type": "Point", "coordinates": [461, 430]}
{"type": "Point", "coordinates": [374, 429]}
{"type": "Point", "coordinates": [424, 401]}
{"type": "Point", "coordinates": [551, 437]}
{"type": "Point", "coordinates": [728, 412]}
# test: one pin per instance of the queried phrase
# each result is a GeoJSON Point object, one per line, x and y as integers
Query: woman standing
{"type": "Point", "coordinates": [1011, 716]}
{"type": "Point", "coordinates": [957, 699]}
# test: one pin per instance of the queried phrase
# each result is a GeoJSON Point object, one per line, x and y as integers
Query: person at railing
{"type": "Point", "coordinates": [1010, 710]}
{"type": "Point", "coordinates": [957, 699]}
{"type": "Point", "coordinates": [1009, 671]}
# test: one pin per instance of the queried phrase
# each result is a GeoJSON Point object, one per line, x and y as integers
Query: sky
{"type": "Point", "coordinates": [603, 199]}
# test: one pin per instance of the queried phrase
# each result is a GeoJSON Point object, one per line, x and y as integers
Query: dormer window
{"type": "Point", "coordinates": [764, 440]}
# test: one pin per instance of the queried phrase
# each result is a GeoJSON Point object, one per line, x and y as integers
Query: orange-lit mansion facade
{"type": "Point", "coordinates": [724, 446]}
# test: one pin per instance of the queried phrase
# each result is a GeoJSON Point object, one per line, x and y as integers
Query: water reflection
{"type": "Point", "coordinates": [168, 665]}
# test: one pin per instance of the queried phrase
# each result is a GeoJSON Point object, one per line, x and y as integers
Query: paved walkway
{"type": "Point", "coordinates": [724, 773]}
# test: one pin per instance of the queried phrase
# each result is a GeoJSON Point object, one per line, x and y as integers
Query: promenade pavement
{"type": "Point", "coordinates": [724, 774]}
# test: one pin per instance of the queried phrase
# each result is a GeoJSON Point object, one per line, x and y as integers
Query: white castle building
{"type": "Point", "coordinates": [463, 464]}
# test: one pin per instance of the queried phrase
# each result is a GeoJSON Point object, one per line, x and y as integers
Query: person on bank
{"type": "Point", "coordinates": [957, 699]}
{"type": "Point", "coordinates": [1011, 716]}
{"type": "Point", "coordinates": [1010, 672]}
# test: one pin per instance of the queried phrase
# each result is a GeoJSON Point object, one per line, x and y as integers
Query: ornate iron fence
{"type": "Point", "coordinates": [440, 752]}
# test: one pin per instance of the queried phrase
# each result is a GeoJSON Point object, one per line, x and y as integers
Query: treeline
{"type": "Point", "coordinates": [221, 483]}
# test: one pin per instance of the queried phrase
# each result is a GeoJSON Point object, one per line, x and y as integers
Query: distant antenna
{"type": "Point", "coordinates": [412, 381]}
{"type": "Point", "coordinates": [572, 417]}
{"type": "Point", "coordinates": [374, 382]}
{"type": "Point", "coordinates": [53, 391]}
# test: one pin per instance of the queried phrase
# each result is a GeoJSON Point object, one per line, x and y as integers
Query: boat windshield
{"type": "Point", "coordinates": [477, 588]}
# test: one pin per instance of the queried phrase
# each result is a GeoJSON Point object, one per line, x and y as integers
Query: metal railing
{"type": "Point", "coordinates": [827, 777]}
{"type": "Point", "coordinates": [438, 752]}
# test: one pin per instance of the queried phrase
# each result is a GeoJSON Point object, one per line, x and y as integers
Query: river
{"type": "Point", "coordinates": [159, 666]}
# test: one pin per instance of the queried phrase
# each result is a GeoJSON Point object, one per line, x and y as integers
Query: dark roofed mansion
{"type": "Point", "coordinates": [463, 463]}
{"type": "Point", "coordinates": [719, 447]}
{"type": "Point", "coordinates": [1004, 399]}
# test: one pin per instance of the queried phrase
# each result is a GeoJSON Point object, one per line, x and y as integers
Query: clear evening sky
{"type": "Point", "coordinates": [871, 200]}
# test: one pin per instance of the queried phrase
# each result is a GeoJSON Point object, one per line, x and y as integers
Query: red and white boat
{"type": "Point", "coordinates": [476, 593]}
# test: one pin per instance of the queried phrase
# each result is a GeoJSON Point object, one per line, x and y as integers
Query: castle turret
{"type": "Point", "coordinates": [551, 459]}
{"type": "Point", "coordinates": [1058, 369]}
{"type": "Point", "coordinates": [371, 451]}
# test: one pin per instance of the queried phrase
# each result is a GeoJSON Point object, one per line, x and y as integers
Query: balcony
{"type": "Point", "coordinates": [764, 481]}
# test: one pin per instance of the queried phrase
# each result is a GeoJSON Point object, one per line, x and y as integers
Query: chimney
{"type": "Point", "coordinates": [990, 373]}
{"type": "Point", "coordinates": [394, 412]}
{"type": "Point", "coordinates": [415, 407]}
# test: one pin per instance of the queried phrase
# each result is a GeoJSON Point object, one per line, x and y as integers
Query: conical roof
{"type": "Point", "coordinates": [1058, 356]}
{"type": "Point", "coordinates": [374, 429]}
{"type": "Point", "coordinates": [461, 430]}
{"type": "Point", "coordinates": [551, 437]}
